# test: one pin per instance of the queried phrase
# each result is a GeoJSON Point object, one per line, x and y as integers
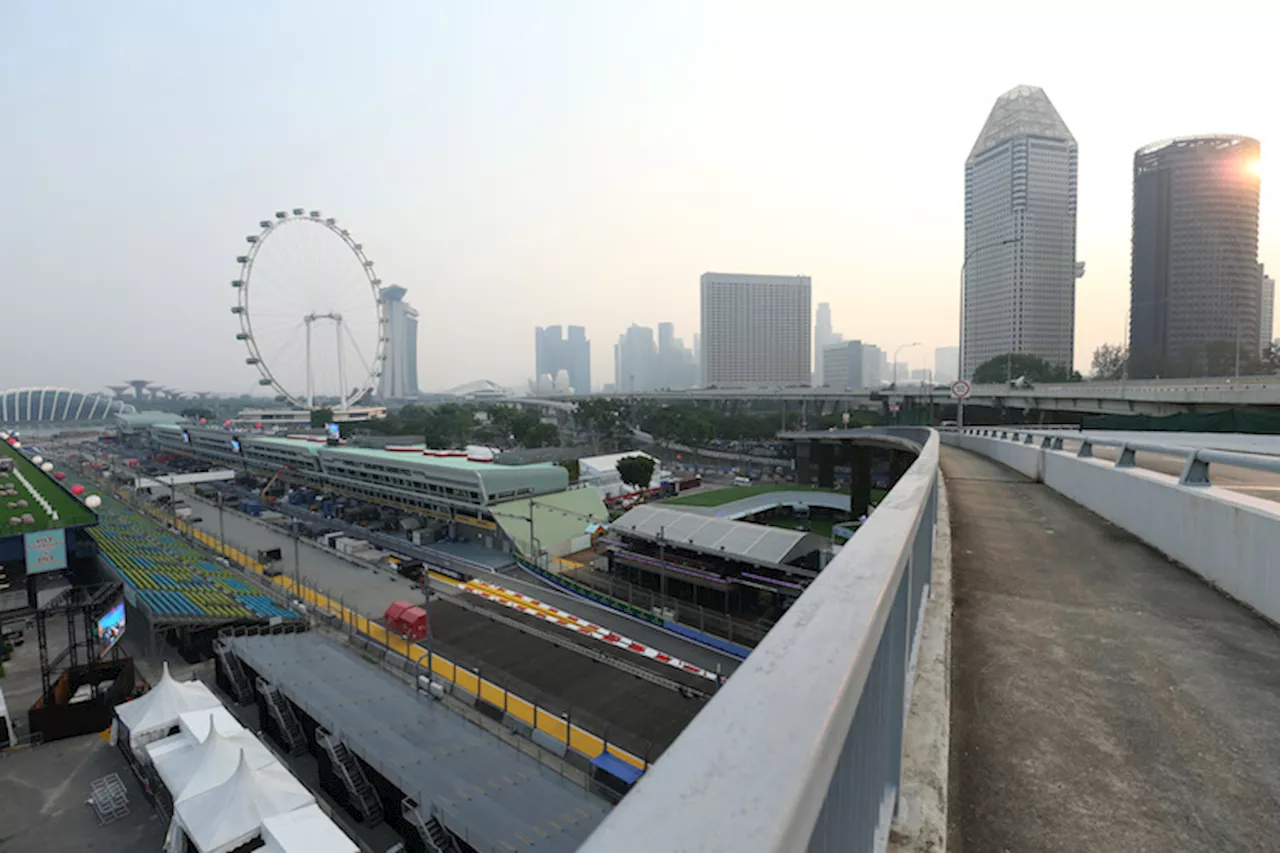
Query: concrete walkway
{"type": "Point", "coordinates": [1103, 699]}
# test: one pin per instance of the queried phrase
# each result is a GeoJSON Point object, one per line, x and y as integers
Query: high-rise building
{"type": "Point", "coordinates": [1266, 309]}
{"type": "Point", "coordinates": [873, 362]}
{"type": "Point", "coordinates": [946, 365]}
{"type": "Point", "coordinates": [1020, 234]}
{"type": "Point", "coordinates": [553, 353]}
{"type": "Point", "coordinates": [1194, 289]}
{"type": "Point", "coordinates": [755, 329]}
{"type": "Point", "coordinates": [635, 361]}
{"type": "Point", "coordinates": [842, 366]}
{"type": "Point", "coordinates": [821, 338]}
{"type": "Point", "coordinates": [399, 379]}
{"type": "Point", "coordinates": [677, 369]}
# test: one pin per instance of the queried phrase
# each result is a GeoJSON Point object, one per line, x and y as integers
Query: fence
{"type": "Point", "coordinates": [801, 749]}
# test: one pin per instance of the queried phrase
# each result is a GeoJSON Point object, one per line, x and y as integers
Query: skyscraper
{"type": "Point", "coordinates": [821, 338]}
{"type": "Point", "coordinates": [1194, 297]}
{"type": "Point", "coordinates": [755, 329]}
{"type": "Point", "coordinates": [1020, 234]}
{"type": "Point", "coordinates": [553, 353]}
{"type": "Point", "coordinates": [677, 369]}
{"type": "Point", "coordinates": [946, 361]}
{"type": "Point", "coordinates": [635, 360]}
{"type": "Point", "coordinates": [1267, 309]}
{"type": "Point", "coordinates": [399, 379]}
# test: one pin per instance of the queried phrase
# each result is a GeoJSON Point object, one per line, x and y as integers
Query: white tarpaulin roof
{"type": "Point", "coordinates": [204, 766]}
{"type": "Point", "coordinates": [160, 707]}
{"type": "Point", "coordinates": [307, 830]}
{"type": "Point", "coordinates": [193, 728]}
{"type": "Point", "coordinates": [706, 534]}
{"type": "Point", "coordinates": [223, 818]}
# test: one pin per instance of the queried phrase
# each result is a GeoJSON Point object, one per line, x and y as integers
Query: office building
{"type": "Point", "coordinates": [755, 329]}
{"type": "Point", "coordinates": [1194, 289]}
{"type": "Point", "coordinates": [821, 339]}
{"type": "Point", "coordinates": [399, 379]}
{"type": "Point", "coordinates": [1266, 309]}
{"type": "Point", "coordinates": [842, 366]}
{"type": "Point", "coordinates": [1020, 234]}
{"type": "Point", "coordinates": [946, 365]}
{"type": "Point", "coordinates": [677, 369]}
{"type": "Point", "coordinates": [554, 353]}
{"type": "Point", "coordinates": [635, 361]}
{"type": "Point", "coordinates": [874, 360]}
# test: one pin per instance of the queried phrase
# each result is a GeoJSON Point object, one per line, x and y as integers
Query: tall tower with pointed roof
{"type": "Point", "coordinates": [1020, 234]}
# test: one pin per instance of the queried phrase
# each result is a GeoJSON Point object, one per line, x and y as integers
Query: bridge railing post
{"type": "Point", "coordinates": [1195, 472]}
{"type": "Point", "coordinates": [1086, 450]}
{"type": "Point", "coordinates": [1128, 457]}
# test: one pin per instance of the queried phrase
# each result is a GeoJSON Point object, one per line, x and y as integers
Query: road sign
{"type": "Point", "coordinates": [960, 389]}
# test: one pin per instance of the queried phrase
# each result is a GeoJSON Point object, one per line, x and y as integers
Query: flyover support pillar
{"type": "Point", "coordinates": [860, 485]}
{"type": "Point", "coordinates": [826, 465]}
{"type": "Point", "coordinates": [804, 463]}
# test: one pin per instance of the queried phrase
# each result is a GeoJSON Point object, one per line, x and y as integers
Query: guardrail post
{"type": "Point", "coordinates": [1046, 443]}
{"type": "Point", "coordinates": [1029, 438]}
{"type": "Point", "coordinates": [1195, 472]}
{"type": "Point", "coordinates": [1004, 434]}
{"type": "Point", "coordinates": [1127, 458]}
{"type": "Point", "coordinates": [1057, 443]}
{"type": "Point", "coordinates": [1086, 450]}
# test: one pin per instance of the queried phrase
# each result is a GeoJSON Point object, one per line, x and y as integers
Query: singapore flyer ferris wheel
{"type": "Point", "coordinates": [311, 311]}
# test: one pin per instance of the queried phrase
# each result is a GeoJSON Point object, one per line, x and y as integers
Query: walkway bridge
{"type": "Point", "coordinates": [1114, 676]}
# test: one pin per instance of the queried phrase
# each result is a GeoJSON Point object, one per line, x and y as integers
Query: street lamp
{"type": "Point", "coordinates": [964, 267]}
{"type": "Point", "coordinates": [895, 360]}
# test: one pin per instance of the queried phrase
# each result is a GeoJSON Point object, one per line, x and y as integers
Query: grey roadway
{"type": "Point", "coordinates": [1102, 697]}
{"type": "Point", "coordinates": [370, 592]}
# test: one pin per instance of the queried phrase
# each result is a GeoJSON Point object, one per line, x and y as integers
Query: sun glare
{"type": "Point", "coordinates": [1255, 167]}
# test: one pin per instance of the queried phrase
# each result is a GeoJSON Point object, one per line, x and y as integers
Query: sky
{"type": "Point", "coordinates": [516, 163]}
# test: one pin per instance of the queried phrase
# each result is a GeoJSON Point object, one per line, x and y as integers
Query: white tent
{"type": "Point", "coordinates": [151, 716]}
{"type": "Point", "coordinates": [224, 817]}
{"type": "Point", "coordinates": [193, 728]}
{"type": "Point", "coordinates": [188, 773]}
{"type": "Point", "coordinates": [307, 830]}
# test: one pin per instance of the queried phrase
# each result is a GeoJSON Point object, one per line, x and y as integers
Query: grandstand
{"type": "Point", "coordinates": [174, 586]}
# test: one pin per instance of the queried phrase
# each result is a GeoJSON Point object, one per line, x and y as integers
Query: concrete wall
{"type": "Point", "coordinates": [1229, 539]}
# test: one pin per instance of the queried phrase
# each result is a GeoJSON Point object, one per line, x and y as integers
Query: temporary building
{"type": "Point", "coordinates": [193, 728]}
{"type": "Point", "coordinates": [305, 830]}
{"type": "Point", "coordinates": [154, 714]}
{"type": "Point", "coordinates": [189, 773]}
{"type": "Point", "coordinates": [228, 815]}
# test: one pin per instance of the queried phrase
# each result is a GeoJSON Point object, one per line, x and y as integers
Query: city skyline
{"type": "Point", "coordinates": [634, 177]}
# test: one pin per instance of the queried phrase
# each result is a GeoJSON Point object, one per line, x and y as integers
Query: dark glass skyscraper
{"type": "Point", "coordinates": [1194, 289]}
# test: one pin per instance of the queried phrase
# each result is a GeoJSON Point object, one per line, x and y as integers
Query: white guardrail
{"type": "Point", "coordinates": [802, 748]}
{"type": "Point", "coordinates": [1228, 538]}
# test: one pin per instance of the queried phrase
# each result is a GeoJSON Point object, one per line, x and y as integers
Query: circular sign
{"type": "Point", "coordinates": [960, 389]}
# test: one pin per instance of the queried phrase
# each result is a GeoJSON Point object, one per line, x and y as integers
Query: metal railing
{"type": "Point", "coordinates": [1196, 460]}
{"type": "Point", "coordinates": [801, 749]}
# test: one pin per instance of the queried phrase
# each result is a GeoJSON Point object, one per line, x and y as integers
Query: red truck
{"type": "Point", "coordinates": [406, 620]}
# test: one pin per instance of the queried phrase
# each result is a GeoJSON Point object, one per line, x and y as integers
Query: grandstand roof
{"type": "Point", "coordinates": [735, 540]}
{"type": "Point", "coordinates": [50, 405]}
{"type": "Point", "coordinates": [51, 506]}
{"type": "Point", "coordinates": [173, 582]}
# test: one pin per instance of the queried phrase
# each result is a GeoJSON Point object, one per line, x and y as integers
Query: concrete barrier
{"type": "Point", "coordinates": [1229, 539]}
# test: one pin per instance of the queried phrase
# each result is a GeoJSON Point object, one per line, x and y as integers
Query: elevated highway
{"type": "Point", "coordinates": [1146, 396]}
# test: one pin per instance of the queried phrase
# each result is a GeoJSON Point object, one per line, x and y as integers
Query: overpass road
{"type": "Point", "coordinates": [1103, 697]}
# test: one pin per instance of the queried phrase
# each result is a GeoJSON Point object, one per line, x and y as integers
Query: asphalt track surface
{"type": "Point", "coordinates": [1103, 698]}
{"type": "Point", "coordinates": [642, 717]}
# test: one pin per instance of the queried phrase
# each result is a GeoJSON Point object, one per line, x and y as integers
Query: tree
{"type": "Point", "coordinates": [1011, 366]}
{"type": "Point", "coordinates": [1110, 361]}
{"type": "Point", "coordinates": [573, 467]}
{"type": "Point", "coordinates": [636, 471]}
{"type": "Point", "coordinates": [541, 435]}
{"type": "Point", "coordinates": [320, 417]}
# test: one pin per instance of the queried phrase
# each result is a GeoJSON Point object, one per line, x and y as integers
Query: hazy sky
{"type": "Point", "coordinates": [529, 162]}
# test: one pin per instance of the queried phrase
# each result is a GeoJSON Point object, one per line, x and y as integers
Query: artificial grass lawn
{"type": "Point", "coordinates": [737, 493]}
{"type": "Point", "coordinates": [71, 513]}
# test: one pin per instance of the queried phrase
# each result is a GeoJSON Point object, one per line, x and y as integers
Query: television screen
{"type": "Point", "coordinates": [331, 432]}
{"type": "Point", "coordinates": [110, 628]}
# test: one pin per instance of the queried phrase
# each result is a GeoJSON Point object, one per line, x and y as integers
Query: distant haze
{"type": "Point", "coordinates": [515, 164]}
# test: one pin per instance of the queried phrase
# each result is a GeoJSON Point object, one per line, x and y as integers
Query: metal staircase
{"type": "Point", "coordinates": [286, 721]}
{"type": "Point", "coordinates": [364, 799]}
{"type": "Point", "coordinates": [437, 838]}
{"type": "Point", "coordinates": [234, 672]}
